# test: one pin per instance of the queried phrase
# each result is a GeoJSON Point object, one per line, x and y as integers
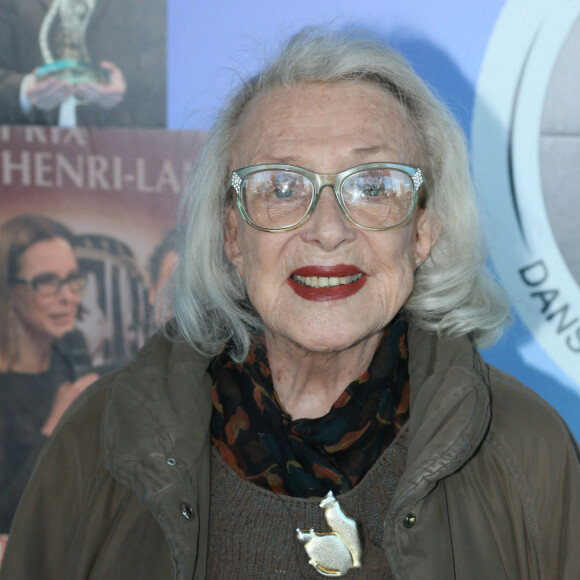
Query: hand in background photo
{"type": "Point", "coordinates": [46, 93]}
{"type": "Point", "coordinates": [65, 395]}
{"type": "Point", "coordinates": [106, 95]}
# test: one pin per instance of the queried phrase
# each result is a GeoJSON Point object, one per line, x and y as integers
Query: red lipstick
{"type": "Point", "coordinates": [325, 294]}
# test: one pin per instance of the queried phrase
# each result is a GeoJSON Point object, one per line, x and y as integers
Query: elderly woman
{"type": "Point", "coordinates": [319, 406]}
{"type": "Point", "coordinates": [40, 354]}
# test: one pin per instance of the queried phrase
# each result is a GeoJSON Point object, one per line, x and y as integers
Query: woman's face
{"type": "Point", "coordinates": [327, 129]}
{"type": "Point", "coordinates": [46, 316]}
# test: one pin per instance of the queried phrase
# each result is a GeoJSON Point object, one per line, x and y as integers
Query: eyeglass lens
{"type": "Point", "coordinates": [275, 198]}
{"type": "Point", "coordinates": [377, 198]}
{"type": "Point", "coordinates": [49, 284]}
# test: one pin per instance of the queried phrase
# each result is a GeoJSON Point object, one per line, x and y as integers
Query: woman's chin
{"type": "Point", "coordinates": [58, 331]}
{"type": "Point", "coordinates": [323, 342]}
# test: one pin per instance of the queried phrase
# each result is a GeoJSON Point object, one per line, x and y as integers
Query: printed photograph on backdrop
{"type": "Point", "coordinates": [87, 243]}
{"type": "Point", "coordinates": [99, 63]}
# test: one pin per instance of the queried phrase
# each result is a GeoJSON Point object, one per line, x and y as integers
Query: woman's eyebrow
{"type": "Point", "coordinates": [50, 273]}
{"type": "Point", "coordinates": [362, 151]}
{"type": "Point", "coordinates": [285, 160]}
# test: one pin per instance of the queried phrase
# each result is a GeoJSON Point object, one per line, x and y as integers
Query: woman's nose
{"type": "Point", "coordinates": [328, 226]}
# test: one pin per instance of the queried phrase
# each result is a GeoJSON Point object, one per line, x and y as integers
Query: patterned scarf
{"type": "Point", "coordinates": [308, 457]}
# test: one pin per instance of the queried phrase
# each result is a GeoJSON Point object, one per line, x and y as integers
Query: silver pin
{"type": "Point", "coordinates": [334, 553]}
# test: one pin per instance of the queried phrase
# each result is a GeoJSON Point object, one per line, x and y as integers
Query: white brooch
{"type": "Point", "coordinates": [333, 553]}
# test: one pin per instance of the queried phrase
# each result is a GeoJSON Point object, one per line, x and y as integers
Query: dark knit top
{"type": "Point", "coordinates": [252, 532]}
{"type": "Point", "coordinates": [25, 404]}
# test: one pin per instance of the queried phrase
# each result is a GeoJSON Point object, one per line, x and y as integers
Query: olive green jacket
{"type": "Point", "coordinates": [121, 492]}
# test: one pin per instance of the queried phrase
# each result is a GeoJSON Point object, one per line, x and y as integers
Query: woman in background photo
{"type": "Point", "coordinates": [40, 351]}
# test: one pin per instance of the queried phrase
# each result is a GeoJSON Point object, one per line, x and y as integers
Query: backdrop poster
{"type": "Point", "coordinates": [89, 181]}
{"type": "Point", "coordinates": [115, 191]}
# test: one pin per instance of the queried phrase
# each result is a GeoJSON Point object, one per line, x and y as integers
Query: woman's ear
{"type": "Point", "coordinates": [427, 231]}
{"type": "Point", "coordinates": [232, 243]}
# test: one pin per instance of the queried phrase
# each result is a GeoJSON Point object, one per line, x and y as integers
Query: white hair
{"type": "Point", "coordinates": [454, 293]}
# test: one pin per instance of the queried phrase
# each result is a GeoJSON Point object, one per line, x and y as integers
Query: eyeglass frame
{"type": "Point", "coordinates": [322, 180]}
{"type": "Point", "coordinates": [33, 284]}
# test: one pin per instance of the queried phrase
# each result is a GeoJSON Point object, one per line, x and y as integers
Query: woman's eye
{"type": "Point", "coordinates": [283, 192]}
{"type": "Point", "coordinates": [45, 279]}
{"type": "Point", "coordinates": [373, 190]}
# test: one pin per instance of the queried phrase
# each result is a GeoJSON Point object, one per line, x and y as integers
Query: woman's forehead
{"type": "Point", "coordinates": [51, 255]}
{"type": "Point", "coordinates": [286, 124]}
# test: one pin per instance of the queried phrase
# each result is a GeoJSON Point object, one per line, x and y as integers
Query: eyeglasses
{"type": "Point", "coordinates": [50, 284]}
{"type": "Point", "coordinates": [373, 196]}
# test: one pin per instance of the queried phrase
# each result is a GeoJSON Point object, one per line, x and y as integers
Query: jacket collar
{"type": "Point", "coordinates": [157, 415]}
{"type": "Point", "coordinates": [450, 411]}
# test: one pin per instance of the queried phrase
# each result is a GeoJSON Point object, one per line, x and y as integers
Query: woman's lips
{"type": "Point", "coordinates": [324, 283]}
{"type": "Point", "coordinates": [63, 316]}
